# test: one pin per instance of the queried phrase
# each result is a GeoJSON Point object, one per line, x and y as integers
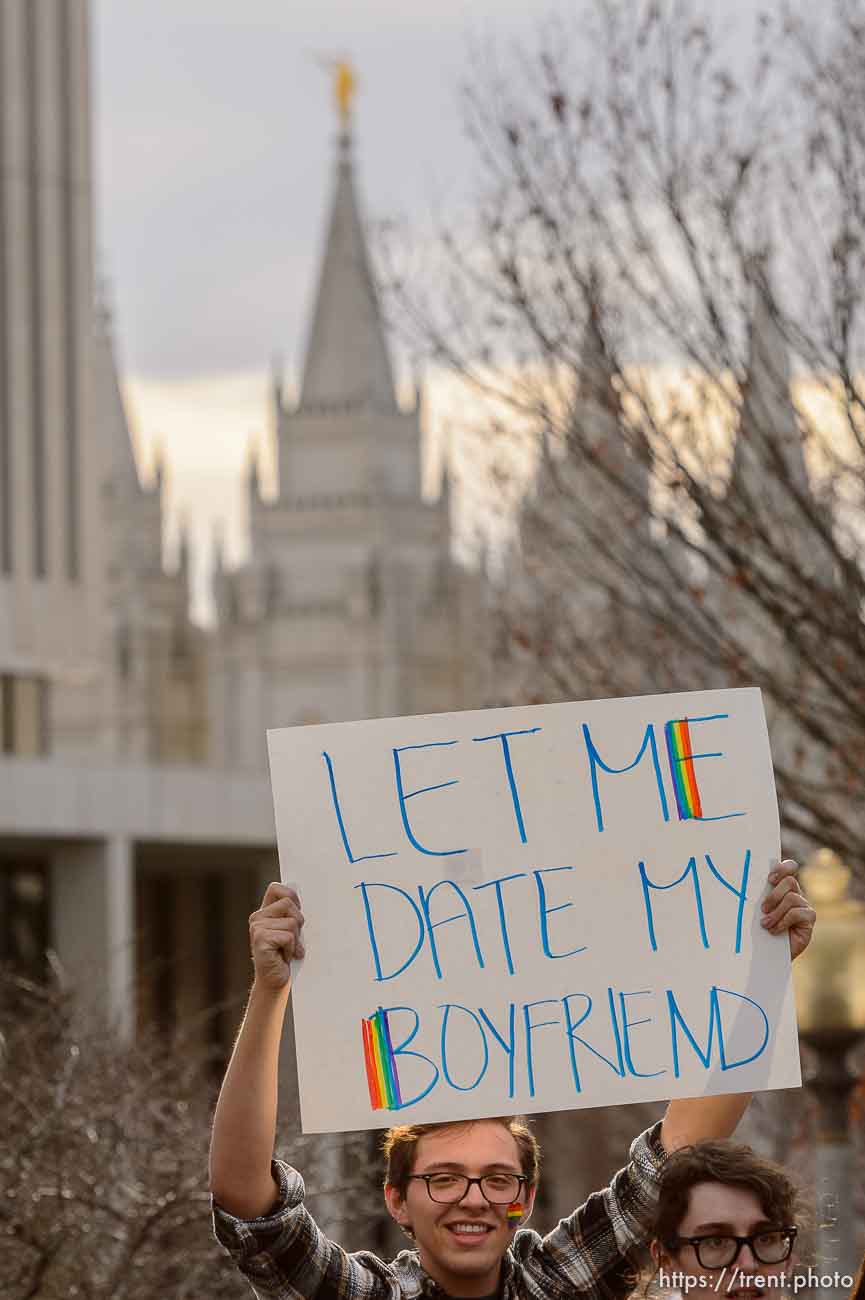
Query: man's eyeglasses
{"type": "Point", "coordinates": [720, 1250]}
{"type": "Point", "coordinates": [449, 1189]}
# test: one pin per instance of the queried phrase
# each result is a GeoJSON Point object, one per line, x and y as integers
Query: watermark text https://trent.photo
{"type": "Point", "coordinates": [731, 1280]}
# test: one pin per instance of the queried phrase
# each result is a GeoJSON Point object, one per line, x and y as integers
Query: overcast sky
{"type": "Point", "coordinates": [215, 135]}
{"type": "Point", "coordinates": [215, 131]}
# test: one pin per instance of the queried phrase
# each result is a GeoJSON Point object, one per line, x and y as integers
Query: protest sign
{"type": "Point", "coordinates": [527, 909]}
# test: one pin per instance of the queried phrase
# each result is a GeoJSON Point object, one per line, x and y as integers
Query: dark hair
{"type": "Point", "coordinates": [716, 1162]}
{"type": "Point", "coordinates": [721, 1162]}
{"type": "Point", "coordinates": [858, 1292]}
{"type": "Point", "coordinates": [400, 1147]}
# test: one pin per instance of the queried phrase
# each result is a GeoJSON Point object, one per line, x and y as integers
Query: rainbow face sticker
{"type": "Point", "coordinates": [515, 1212]}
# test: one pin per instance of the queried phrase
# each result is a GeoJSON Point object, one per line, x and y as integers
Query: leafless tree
{"type": "Point", "coordinates": [654, 303]}
{"type": "Point", "coordinates": [103, 1160]}
{"type": "Point", "coordinates": [103, 1164]}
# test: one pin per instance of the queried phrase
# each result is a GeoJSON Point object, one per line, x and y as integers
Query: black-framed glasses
{"type": "Point", "coordinates": [721, 1249]}
{"type": "Point", "coordinates": [449, 1189]}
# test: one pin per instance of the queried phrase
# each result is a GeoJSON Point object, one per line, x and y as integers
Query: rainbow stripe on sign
{"type": "Point", "coordinates": [681, 758]}
{"type": "Point", "coordinates": [381, 1076]}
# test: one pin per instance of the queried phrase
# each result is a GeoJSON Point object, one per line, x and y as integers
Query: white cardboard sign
{"type": "Point", "coordinates": [534, 909]}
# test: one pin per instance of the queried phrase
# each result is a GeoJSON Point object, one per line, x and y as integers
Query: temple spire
{"type": "Point", "coordinates": [118, 453]}
{"type": "Point", "coordinates": [768, 441]}
{"type": "Point", "coordinates": [218, 548]}
{"type": "Point", "coordinates": [347, 365]}
{"type": "Point", "coordinates": [602, 448]}
{"type": "Point", "coordinates": [158, 480]}
{"type": "Point", "coordinates": [253, 479]}
{"type": "Point", "coordinates": [277, 368]}
{"type": "Point", "coordinates": [183, 546]}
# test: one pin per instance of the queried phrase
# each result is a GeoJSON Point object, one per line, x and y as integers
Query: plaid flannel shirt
{"type": "Point", "coordinates": [286, 1256]}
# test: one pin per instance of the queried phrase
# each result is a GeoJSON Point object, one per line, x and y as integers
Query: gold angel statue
{"type": "Point", "coordinates": [345, 85]}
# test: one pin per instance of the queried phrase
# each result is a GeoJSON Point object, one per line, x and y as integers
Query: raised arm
{"type": "Point", "coordinates": [244, 1125]}
{"type": "Point", "coordinates": [693, 1119]}
{"type": "Point", "coordinates": [786, 911]}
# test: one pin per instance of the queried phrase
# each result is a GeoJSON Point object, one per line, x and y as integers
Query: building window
{"type": "Point", "coordinates": [23, 715]}
{"type": "Point", "coordinates": [24, 918]}
{"type": "Point", "coordinates": [195, 990]}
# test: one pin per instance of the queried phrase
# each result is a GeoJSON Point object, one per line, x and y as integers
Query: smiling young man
{"type": "Point", "coordinates": [462, 1223]}
{"type": "Point", "coordinates": [462, 1191]}
{"type": "Point", "coordinates": [725, 1223]}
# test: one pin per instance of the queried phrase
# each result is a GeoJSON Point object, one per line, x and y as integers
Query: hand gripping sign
{"type": "Point", "coordinates": [534, 909]}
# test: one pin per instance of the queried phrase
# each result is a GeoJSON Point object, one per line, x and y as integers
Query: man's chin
{"type": "Point", "coordinates": [471, 1265]}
